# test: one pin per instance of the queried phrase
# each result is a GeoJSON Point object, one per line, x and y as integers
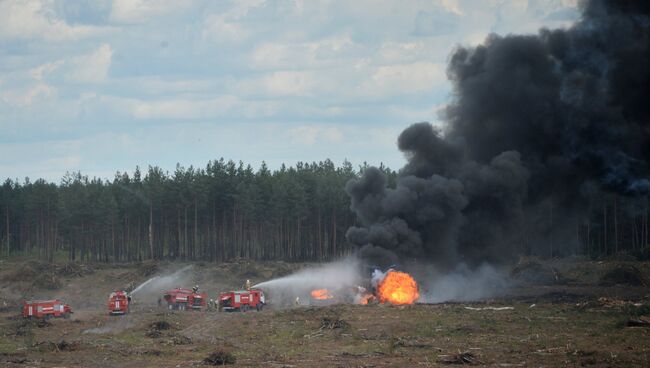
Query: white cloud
{"type": "Point", "coordinates": [218, 29]}
{"type": "Point", "coordinates": [404, 79]}
{"type": "Point", "coordinates": [326, 52]}
{"type": "Point", "coordinates": [451, 6]}
{"type": "Point", "coordinates": [281, 83]}
{"type": "Point", "coordinates": [421, 49]}
{"type": "Point", "coordinates": [312, 134]}
{"type": "Point", "coordinates": [409, 114]}
{"type": "Point", "coordinates": [288, 83]}
{"type": "Point", "coordinates": [37, 19]}
{"type": "Point", "coordinates": [47, 68]}
{"type": "Point", "coordinates": [142, 11]}
{"type": "Point", "coordinates": [92, 68]}
{"type": "Point", "coordinates": [185, 108]}
{"type": "Point", "coordinates": [154, 85]}
{"type": "Point", "coordinates": [29, 95]}
{"type": "Point", "coordinates": [225, 27]}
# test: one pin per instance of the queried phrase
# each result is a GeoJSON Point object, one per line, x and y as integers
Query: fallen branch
{"type": "Point", "coordinates": [490, 308]}
{"type": "Point", "coordinates": [460, 358]}
{"type": "Point", "coordinates": [642, 321]}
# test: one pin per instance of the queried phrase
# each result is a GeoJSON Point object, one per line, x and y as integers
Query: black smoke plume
{"type": "Point", "coordinates": [537, 125]}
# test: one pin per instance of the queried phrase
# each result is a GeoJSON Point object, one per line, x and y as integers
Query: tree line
{"type": "Point", "coordinates": [223, 211]}
{"type": "Point", "coordinates": [229, 210]}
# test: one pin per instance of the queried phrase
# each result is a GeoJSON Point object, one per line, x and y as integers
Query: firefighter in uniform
{"type": "Point", "coordinates": [247, 285]}
{"type": "Point", "coordinates": [195, 289]}
{"type": "Point", "coordinates": [130, 287]}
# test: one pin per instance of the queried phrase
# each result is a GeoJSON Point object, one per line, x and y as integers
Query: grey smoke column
{"type": "Point", "coordinates": [537, 122]}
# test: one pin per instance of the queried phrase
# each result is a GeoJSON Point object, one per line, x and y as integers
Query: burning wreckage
{"type": "Point", "coordinates": [392, 287]}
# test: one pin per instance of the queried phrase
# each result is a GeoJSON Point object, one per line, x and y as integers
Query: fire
{"type": "Point", "coordinates": [364, 299]}
{"type": "Point", "coordinates": [398, 288]}
{"type": "Point", "coordinates": [321, 294]}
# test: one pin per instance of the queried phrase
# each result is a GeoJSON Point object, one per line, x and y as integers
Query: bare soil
{"type": "Point", "coordinates": [569, 321]}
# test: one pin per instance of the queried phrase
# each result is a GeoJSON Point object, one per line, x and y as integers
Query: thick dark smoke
{"type": "Point", "coordinates": [537, 125]}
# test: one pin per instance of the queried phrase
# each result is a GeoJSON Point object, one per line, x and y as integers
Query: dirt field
{"type": "Point", "coordinates": [576, 318]}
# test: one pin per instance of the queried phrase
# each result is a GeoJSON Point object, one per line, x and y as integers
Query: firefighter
{"type": "Point", "coordinates": [195, 289]}
{"type": "Point", "coordinates": [296, 302]}
{"type": "Point", "coordinates": [130, 287]}
{"type": "Point", "coordinates": [247, 285]}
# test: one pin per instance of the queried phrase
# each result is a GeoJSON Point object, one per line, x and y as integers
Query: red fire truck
{"type": "Point", "coordinates": [242, 300]}
{"type": "Point", "coordinates": [118, 302]}
{"type": "Point", "coordinates": [182, 299]}
{"type": "Point", "coordinates": [46, 309]}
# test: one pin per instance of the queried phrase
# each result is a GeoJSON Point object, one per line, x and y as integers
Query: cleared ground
{"type": "Point", "coordinates": [574, 321]}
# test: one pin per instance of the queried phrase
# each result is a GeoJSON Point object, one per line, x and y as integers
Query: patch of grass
{"type": "Point", "coordinates": [426, 330]}
{"type": "Point", "coordinates": [133, 338]}
{"type": "Point", "coordinates": [9, 346]}
{"type": "Point", "coordinates": [632, 310]}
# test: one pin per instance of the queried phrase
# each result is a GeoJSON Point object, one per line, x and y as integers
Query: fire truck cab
{"type": "Point", "coordinates": [46, 309]}
{"type": "Point", "coordinates": [118, 302]}
{"type": "Point", "coordinates": [182, 299]}
{"type": "Point", "coordinates": [242, 300]}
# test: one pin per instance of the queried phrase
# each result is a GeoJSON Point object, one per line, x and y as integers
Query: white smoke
{"type": "Point", "coordinates": [378, 276]}
{"type": "Point", "coordinates": [341, 278]}
{"type": "Point", "coordinates": [464, 284]}
{"type": "Point", "coordinates": [345, 280]}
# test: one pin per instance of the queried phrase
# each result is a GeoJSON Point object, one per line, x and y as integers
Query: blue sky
{"type": "Point", "coordinates": [101, 86]}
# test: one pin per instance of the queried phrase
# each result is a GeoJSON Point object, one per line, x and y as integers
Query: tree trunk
{"type": "Point", "coordinates": [9, 232]}
{"type": "Point", "coordinates": [113, 240]}
{"type": "Point", "coordinates": [334, 228]}
{"type": "Point", "coordinates": [615, 224]}
{"type": "Point", "coordinates": [196, 229]}
{"type": "Point", "coordinates": [151, 254]}
{"type": "Point", "coordinates": [605, 225]}
{"type": "Point", "coordinates": [180, 236]}
{"type": "Point", "coordinates": [551, 240]}
{"type": "Point", "coordinates": [320, 238]}
{"type": "Point", "coordinates": [645, 224]}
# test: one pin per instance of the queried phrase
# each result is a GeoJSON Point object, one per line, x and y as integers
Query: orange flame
{"type": "Point", "coordinates": [321, 294]}
{"type": "Point", "coordinates": [364, 299]}
{"type": "Point", "coordinates": [398, 288]}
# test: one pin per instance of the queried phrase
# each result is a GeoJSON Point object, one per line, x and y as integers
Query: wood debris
{"type": "Point", "coordinates": [490, 308]}
{"type": "Point", "coordinates": [460, 358]}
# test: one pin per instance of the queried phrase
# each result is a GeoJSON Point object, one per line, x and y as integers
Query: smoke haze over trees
{"type": "Point", "coordinates": [545, 147]}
